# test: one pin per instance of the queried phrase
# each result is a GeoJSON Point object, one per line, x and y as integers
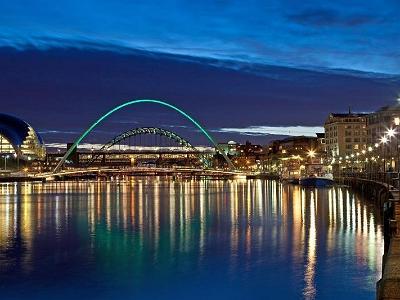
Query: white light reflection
{"type": "Point", "coordinates": [309, 291]}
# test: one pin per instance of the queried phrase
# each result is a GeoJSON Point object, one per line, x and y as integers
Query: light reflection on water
{"type": "Point", "coordinates": [154, 238]}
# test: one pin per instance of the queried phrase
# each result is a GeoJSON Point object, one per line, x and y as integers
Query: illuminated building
{"type": "Point", "coordinates": [290, 154]}
{"type": "Point", "coordinates": [230, 148]}
{"type": "Point", "coordinates": [297, 145]}
{"type": "Point", "coordinates": [380, 124]}
{"type": "Point", "coordinates": [19, 140]}
{"type": "Point", "coordinates": [345, 133]}
{"type": "Point", "coordinates": [249, 149]}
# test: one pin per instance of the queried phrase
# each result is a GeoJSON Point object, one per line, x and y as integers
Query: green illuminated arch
{"type": "Point", "coordinates": [98, 121]}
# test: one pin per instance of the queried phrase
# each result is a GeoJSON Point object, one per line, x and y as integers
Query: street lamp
{"type": "Point", "coordinates": [311, 153]}
{"type": "Point", "coordinates": [390, 133]}
{"type": "Point", "coordinates": [384, 141]}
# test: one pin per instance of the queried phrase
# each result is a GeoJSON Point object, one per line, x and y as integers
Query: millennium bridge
{"type": "Point", "coordinates": [127, 153]}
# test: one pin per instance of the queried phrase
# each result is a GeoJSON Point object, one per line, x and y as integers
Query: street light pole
{"type": "Point", "coordinates": [397, 123]}
{"type": "Point", "coordinates": [384, 140]}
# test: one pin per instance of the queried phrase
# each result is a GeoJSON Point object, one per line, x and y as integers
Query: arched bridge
{"type": "Point", "coordinates": [140, 101]}
{"type": "Point", "coordinates": [178, 140]}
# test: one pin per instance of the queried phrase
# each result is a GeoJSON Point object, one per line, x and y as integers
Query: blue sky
{"type": "Point", "coordinates": [357, 35]}
{"type": "Point", "coordinates": [246, 69]}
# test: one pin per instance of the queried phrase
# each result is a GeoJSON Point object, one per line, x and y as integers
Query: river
{"type": "Point", "coordinates": [158, 238]}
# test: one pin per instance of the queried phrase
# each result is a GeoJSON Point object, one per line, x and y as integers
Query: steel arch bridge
{"type": "Point", "coordinates": [134, 102]}
{"type": "Point", "coordinates": [150, 131]}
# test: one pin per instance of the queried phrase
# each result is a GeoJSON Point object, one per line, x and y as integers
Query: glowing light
{"type": "Point", "coordinates": [384, 140]}
{"type": "Point", "coordinates": [391, 132]}
{"type": "Point", "coordinates": [397, 119]}
{"type": "Point", "coordinates": [311, 153]}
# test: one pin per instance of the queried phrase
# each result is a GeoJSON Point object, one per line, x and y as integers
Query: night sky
{"type": "Point", "coordinates": [244, 69]}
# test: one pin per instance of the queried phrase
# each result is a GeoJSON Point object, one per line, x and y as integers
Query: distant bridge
{"type": "Point", "coordinates": [133, 102]}
{"type": "Point", "coordinates": [182, 146]}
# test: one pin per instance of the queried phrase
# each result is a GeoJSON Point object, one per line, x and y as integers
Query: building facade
{"type": "Point", "coordinates": [345, 134]}
{"type": "Point", "coordinates": [298, 146]}
{"type": "Point", "coordinates": [380, 121]}
{"type": "Point", "coordinates": [19, 140]}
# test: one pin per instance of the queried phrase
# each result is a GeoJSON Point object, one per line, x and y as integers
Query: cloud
{"type": "Point", "coordinates": [330, 17]}
{"type": "Point", "coordinates": [61, 132]}
{"type": "Point", "coordinates": [274, 130]}
{"type": "Point", "coordinates": [94, 146]}
{"type": "Point", "coordinates": [260, 33]}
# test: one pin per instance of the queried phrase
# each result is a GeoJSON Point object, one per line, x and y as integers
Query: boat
{"type": "Point", "coordinates": [316, 181]}
{"type": "Point", "coordinates": [316, 175]}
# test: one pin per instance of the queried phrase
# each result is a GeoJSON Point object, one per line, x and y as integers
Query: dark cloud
{"type": "Point", "coordinates": [330, 17]}
{"type": "Point", "coordinates": [64, 90]}
{"type": "Point", "coordinates": [254, 31]}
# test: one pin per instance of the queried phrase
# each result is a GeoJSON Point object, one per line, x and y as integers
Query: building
{"type": "Point", "coordinates": [230, 148]}
{"type": "Point", "coordinates": [345, 134]}
{"type": "Point", "coordinates": [19, 140]}
{"type": "Point", "coordinates": [249, 149]}
{"type": "Point", "coordinates": [297, 146]}
{"type": "Point", "coordinates": [321, 141]}
{"type": "Point", "coordinates": [380, 121]}
{"type": "Point", "coordinates": [288, 156]}
{"type": "Point", "coordinates": [246, 156]}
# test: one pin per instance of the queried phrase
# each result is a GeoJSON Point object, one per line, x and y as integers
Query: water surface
{"type": "Point", "coordinates": [155, 238]}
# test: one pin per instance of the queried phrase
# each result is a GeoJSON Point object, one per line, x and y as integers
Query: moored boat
{"type": "Point", "coordinates": [316, 181]}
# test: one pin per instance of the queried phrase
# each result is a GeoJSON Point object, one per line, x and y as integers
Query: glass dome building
{"type": "Point", "coordinates": [19, 139]}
